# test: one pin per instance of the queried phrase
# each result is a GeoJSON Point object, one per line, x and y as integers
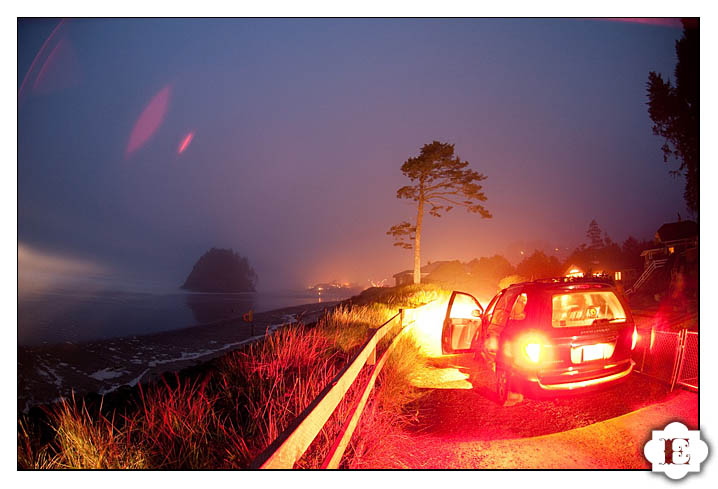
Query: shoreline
{"type": "Point", "coordinates": [48, 373]}
{"type": "Point", "coordinates": [80, 316]}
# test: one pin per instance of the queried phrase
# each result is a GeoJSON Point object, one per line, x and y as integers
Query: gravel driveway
{"type": "Point", "coordinates": [460, 425]}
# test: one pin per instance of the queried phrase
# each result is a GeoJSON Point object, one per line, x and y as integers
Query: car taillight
{"type": "Point", "coordinates": [533, 349]}
{"type": "Point", "coordinates": [533, 352]}
{"type": "Point", "coordinates": [634, 338]}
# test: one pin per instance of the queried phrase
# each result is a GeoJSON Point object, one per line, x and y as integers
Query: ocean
{"type": "Point", "coordinates": [79, 340]}
{"type": "Point", "coordinates": [75, 315]}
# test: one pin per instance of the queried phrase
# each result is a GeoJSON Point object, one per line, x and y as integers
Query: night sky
{"type": "Point", "coordinates": [143, 143]}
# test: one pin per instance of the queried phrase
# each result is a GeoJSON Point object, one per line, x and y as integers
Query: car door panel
{"type": "Point", "coordinates": [498, 322]}
{"type": "Point", "coordinates": [461, 323]}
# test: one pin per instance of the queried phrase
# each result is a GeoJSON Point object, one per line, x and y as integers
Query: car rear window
{"type": "Point", "coordinates": [583, 308]}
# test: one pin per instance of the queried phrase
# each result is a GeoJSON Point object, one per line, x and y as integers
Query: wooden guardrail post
{"type": "Point", "coordinates": [371, 359]}
{"type": "Point", "coordinates": [334, 457]}
{"type": "Point", "coordinates": [286, 449]}
{"type": "Point", "coordinates": [291, 444]}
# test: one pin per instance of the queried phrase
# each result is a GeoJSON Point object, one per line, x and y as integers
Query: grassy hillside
{"type": "Point", "coordinates": [224, 414]}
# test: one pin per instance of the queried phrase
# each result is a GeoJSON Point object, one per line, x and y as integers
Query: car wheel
{"type": "Point", "coordinates": [502, 385]}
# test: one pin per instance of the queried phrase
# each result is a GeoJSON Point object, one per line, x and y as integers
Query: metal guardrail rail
{"type": "Point", "coordinates": [291, 444]}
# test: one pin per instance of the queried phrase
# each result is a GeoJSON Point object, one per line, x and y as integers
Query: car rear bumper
{"type": "Point", "coordinates": [579, 384]}
{"type": "Point", "coordinates": [557, 381]}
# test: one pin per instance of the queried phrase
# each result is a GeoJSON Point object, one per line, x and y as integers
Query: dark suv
{"type": "Point", "coordinates": [546, 336]}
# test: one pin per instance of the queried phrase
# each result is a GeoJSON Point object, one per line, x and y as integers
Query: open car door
{"type": "Point", "coordinates": [462, 321]}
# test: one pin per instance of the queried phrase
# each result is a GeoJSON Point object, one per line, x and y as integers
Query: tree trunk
{"type": "Point", "coordinates": [417, 242]}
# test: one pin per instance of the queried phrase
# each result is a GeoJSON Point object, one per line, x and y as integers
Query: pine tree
{"type": "Point", "coordinates": [442, 181]}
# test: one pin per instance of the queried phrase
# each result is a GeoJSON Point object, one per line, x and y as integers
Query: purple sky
{"type": "Point", "coordinates": [299, 127]}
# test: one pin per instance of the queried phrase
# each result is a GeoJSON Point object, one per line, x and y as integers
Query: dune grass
{"type": "Point", "coordinates": [226, 416]}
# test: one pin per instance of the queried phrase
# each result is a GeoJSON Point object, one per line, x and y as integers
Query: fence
{"type": "Point", "coordinates": [669, 356]}
{"type": "Point", "coordinates": [688, 367]}
{"type": "Point", "coordinates": [291, 444]}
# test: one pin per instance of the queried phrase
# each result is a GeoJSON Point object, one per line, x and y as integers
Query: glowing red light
{"type": "Point", "coordinates": [150, 120]}
{"type": "Point", "coordinates": [185, 142]}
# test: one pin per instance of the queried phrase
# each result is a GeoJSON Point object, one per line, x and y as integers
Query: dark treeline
{"type": "Point", "coordinates": [485, 275]}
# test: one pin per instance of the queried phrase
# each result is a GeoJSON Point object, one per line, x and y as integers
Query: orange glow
{"type": "Point", "coordinates": [463, 309]}
{"type": "Point", "coordinates": [617, 275]}
{"type": "Point", "coordinates": [428, 322]}
{"type": "Point", "coordinates": [574, 272]}
{"type": "Point", "coordinates": [185, 142]}
{"type": "Point", "coordinates": [149, 120]}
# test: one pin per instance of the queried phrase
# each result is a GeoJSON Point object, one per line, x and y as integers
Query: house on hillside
{"type": "Point", "coordinates": [617, 272]}
{"type": "Point", "coordinates": [676, 243]}
{"type": "Point", "coordinates": [574, 271]}
{"type": "Point", "coordinates": [407, 276]}
{"type": "Point", "coordinates": [672, 238]}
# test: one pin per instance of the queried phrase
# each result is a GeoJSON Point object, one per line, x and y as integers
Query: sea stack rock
{"type": "Point", "coordinates": [221, 270]}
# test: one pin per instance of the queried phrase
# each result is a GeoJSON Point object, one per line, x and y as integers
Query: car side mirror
{"type": "Point", "coordinates": [476, 313]}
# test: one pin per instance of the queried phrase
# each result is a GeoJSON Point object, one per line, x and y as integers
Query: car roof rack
{"type": "Point", "coordinates": [597, 279]}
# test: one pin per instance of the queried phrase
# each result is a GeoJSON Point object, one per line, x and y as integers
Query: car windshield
{"type": "Point", "coordinates": [584, 308]}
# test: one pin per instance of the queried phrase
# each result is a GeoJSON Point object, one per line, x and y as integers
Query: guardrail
{"type": "Point", "coordinates": [291, 444]}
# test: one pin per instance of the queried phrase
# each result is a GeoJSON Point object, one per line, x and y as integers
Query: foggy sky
{"type": "Point", "coordinates": [300, 128]}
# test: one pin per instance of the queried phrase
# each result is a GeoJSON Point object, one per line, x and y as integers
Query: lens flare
{"type": "Point", "coordinates": [38, 56]}
{"type": "Point", "coordinates": [59, 71]}
{"type": "Point", "coordinates": [185, 142]}
{"type": "Point", "coordinates": [149, 120]}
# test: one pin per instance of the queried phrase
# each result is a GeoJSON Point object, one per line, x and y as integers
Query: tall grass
{"type": "Point", "coordinates": [228, 415]}
{"type": "Point", "coordinates": [81, 441]}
